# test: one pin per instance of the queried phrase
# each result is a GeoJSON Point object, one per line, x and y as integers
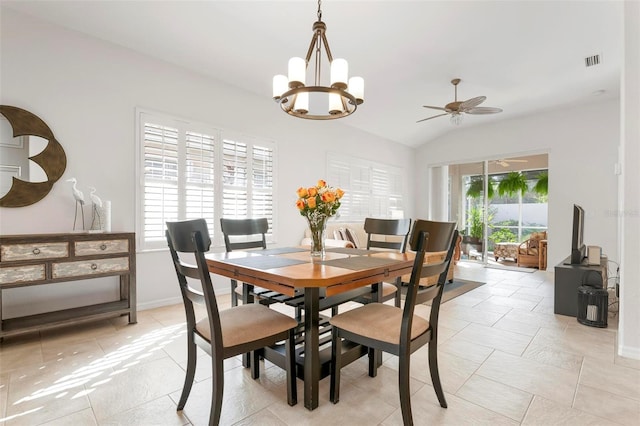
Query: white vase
{"type": "Point", "coordinates": [101, 217]}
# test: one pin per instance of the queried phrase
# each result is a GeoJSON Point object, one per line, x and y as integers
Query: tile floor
{"type": "Point", "coordinates": [505, 358]}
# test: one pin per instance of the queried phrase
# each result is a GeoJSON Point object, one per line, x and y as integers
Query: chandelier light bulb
{"type": "Point", "coordinates": [280, 85]}
{"type": "Point", "coordinates": [301, 105]}
{"type": "Point", "coordinates": [339, 73]}
{"type": "Point", "coordinates": [356, 88]}
{"type": "Point", "coordinates": [297, 70]}
{"type": "Point", "coordinates": [335, 104]}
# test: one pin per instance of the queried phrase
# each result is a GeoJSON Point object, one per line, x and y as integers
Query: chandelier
{"type": "Point", "coordinates": [317, 102]}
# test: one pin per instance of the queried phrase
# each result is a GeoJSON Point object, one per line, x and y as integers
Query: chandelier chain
{"type": "Point", "coordinates": [319, 11]}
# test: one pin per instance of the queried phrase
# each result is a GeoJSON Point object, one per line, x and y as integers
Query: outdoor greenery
{"type": "Point", "coordinates": [541, 187]}
{"type": "Point", "coordinates": [503, 235]}
{"type": "Point", "coordinates": [504, 190]}
{"type": "Point", "coordinates": [474, 220]}
{"type": "Point", "coordinates": [513, 183]}
{"type": "Point", "coordinates": [476, 186]}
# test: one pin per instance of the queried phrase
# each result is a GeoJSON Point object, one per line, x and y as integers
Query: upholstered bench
{"type": "Point", "coordinates": [505, 250]}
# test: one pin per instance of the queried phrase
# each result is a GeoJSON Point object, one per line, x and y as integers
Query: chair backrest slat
{"type": "Point", "coordinates": [256, 228]}
{"type": "Point", "coordinates": [387, 227]}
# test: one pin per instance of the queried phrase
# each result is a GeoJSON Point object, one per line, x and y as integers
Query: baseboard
{"type": "Point", "coordinates": [629, 352]}
{"type": "Point", "coordinates": [159, 303]}
{"type": "Point", "coordinates": [175, 300]}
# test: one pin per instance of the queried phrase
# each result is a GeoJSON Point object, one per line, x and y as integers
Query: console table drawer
{"type": "Point", "coordinates": [33, 251]}
{"type": "Point", "coordinates": [87, 248]}
{"type": "Point", "coordinates": [22, 274]}
{"type": "Point", "coordinates": [90, 267]}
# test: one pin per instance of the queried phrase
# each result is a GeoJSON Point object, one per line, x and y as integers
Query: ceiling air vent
{"type": "Point", "coordinates": [591, 61]}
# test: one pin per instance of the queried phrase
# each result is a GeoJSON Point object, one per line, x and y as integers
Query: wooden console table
{"type": "Point", "coordinates": [30, 260]}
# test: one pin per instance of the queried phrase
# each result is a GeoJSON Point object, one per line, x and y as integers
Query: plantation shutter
{"type": "Point", "coordinates": [247, 180]}
{"type": "Point", "coordinates": [199, 178]}
{"type": "Point", "coordinates": [160, 145]}
{"type": "Point", "coordinates": [190, 171]}
{"type": "Point", "coordinates": [371, 189]}
{"type": "Point", "coordinates": [234, 197]}
{"type": "Point", "coordinates": [262, 183]}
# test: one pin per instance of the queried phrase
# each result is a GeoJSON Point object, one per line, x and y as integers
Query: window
{"type": "Point", "coordinates": [371, 189]}
{"type": "Point", "coordinates": [187, 171]}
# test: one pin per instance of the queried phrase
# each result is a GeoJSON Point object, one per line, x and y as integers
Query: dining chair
{"type": "Point", "coordinates": [242, 234]}
{"type": "Point", "coordinates": [399, 331]}
{"type": "Point", "coordinates": [375, 229]}
{"type": "Point", "coordinates": [222, 333]}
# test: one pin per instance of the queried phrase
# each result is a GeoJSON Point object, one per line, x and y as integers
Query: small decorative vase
{"type": "Point", "coordinates": [317, 225]}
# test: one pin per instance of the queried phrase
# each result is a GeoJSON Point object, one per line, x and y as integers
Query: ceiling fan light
{"type": "Point", "coordinates": [456, 118]}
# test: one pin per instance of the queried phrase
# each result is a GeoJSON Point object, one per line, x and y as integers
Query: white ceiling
{"type": "Point", "coordinates": [524, 56]}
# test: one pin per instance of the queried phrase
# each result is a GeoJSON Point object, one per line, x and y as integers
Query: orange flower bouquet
{"type": "Point", "coordinates": [318, 203]}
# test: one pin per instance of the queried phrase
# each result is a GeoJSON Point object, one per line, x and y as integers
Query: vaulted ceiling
{"type": "Point", "coordinates": [524, 56]}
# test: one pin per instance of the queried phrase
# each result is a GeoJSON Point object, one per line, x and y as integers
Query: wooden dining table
{"type": "Point", "coordinates": [318, 282]}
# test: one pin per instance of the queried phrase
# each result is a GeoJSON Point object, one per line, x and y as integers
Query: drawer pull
{"type": "Point", "coordinates": [94, 266]}
{"type": "Point", "coordinates": [36, 251]}
{"type": "Point", "coordinates": [103, 246]}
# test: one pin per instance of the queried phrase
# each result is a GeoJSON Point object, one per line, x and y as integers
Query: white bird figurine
{"type": "Point", "coordinates": [79, 197]}
{"type": "Point", "coordinates": [97, 207]}
{"type": "Point", "coordinates": [77, 194]}
{"type": "Point", "coordinates": [94, 198]}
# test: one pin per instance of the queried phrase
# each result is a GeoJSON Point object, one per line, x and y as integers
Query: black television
{"type": "Point", "coordinates": [577, 244]}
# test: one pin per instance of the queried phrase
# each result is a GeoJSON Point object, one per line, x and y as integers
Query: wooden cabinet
{"type": "Point", "coordinates": [30, 260]}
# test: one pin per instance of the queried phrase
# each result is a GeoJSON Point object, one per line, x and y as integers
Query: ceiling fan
{"type": "Point", "coordinates": [456, 108]}
{"type": "Point", "coordinates": [506, 162]}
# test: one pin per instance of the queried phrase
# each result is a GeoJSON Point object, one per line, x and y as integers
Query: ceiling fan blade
{"type": "Point", "coordinates": [434, 107]}
{"type": "Point", "coordinates": [429, 118]}
{"type": "Point", "coordinates": [483, 110]}
{"type": "Point", "coordinates": [471, 103]}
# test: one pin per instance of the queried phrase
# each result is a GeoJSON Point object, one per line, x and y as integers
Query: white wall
{"type": "Point", "coordinates": [629, 210]}
{"type": "Point", "coordinates": [582, 146]}
{"type": "Point", "coordinates": [87, 91]}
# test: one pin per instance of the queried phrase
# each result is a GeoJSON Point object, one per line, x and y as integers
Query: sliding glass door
{"type": "Point", "coordinates": [498, 203]}
{"type": "Point", "coordinates": [468, 207]}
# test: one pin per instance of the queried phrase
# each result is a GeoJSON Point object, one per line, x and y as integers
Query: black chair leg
{"type": "Point", "coordinates": [292, 389]}
{"type": "Point", "coordinates": [234, 295]}
{"type": "Point", "coordinates": [192, 356]}
{"type": "Point", "coordinates": [435, 375]}
{"type": "Point", "coordinates": [336, 353]}
{"type": "Point", "coordinates": [375, 361]}
{"type": "Point", "coordinates": [405, 393]}
{"type": "Point", "coordinates": [255, 364]}
{"type": "Point", "coordinates": [217, 381]}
